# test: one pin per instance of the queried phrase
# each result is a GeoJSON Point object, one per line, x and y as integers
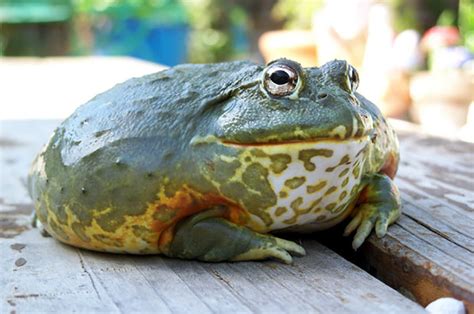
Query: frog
{"type": "Point", "coordinates": [212, 162]}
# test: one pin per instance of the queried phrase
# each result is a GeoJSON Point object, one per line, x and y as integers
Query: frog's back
{"type": "Point", "coordinates": [104, 165]}
{"type": "Point", "coordinates": [163, 104]}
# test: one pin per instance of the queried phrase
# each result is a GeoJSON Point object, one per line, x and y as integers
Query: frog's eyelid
{"type": "Point", "coordinates": [348, 83]}
{"type": "Point", "coordinates": [352, 78]}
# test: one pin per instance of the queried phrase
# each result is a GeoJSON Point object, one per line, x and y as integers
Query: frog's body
{"type": "Point", "coordinates": [202, 161]}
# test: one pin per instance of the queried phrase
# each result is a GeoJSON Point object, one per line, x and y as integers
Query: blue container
{"type": "Point", "coordinates": [165, 44]}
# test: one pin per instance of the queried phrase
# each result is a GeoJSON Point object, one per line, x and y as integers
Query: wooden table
{"type": "Point", "coordinates": [427, 254]}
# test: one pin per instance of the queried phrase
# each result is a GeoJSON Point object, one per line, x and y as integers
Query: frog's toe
{"type": "Point", "coordinates": [265, 253]}
{"type": "Point", "coordinates": [353, 224]}
{"type": "Point", "coordinates": [369, 216]}
{"type": "Point", "coordinates": [272, 247]}
{"type": "Point", "coordinates": [380, 208]}
{"type": "Point", "coordinates": [363, 232]}
{"type": "Point", "coordinates": [364, 221]}
{"type": "Point", "coordinates": [291, 247]}
{"type": "Point", "coordinates": [381, 226]}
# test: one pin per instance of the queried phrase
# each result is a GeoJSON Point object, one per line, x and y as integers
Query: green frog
{"type": "Point", "coordinates": [207, 161]}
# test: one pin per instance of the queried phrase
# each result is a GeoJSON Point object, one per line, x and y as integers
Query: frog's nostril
{"type": "Point", "coordinates": [322, 95]}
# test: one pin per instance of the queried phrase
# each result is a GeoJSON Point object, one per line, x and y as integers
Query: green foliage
{"type": "Point", "coordinates": [405, 16]}
{"type": "Point", "coordinates": [421, 15]}
{"type": "Point", "coordinates": [447, 18]}
{"type": "Point", "coordinates": [161, 11]}
{"type": "Point", "coordinates": [466, 23]}
{"type": "Point", "coordinates": [296, 14]}
{"type": "Point", "coordinates": [210, 21]}
{"type": "Point", "coordinates": [211, 24]}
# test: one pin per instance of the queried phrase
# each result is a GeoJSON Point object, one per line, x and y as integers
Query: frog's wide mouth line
{"type": "Point", "coordinates": [296, 142]}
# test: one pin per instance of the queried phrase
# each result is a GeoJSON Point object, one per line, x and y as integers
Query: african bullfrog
{"type": "Point", "coordinates": [205, 161]}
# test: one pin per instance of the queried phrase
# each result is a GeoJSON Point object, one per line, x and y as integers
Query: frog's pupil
{"type": "Point", "coordinates": [280, 77]}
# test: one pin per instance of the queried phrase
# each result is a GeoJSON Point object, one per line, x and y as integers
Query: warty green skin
{"type": "Point", "coordinates": [112, 156]}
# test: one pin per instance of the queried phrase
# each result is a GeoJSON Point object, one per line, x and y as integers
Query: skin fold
{"type": "Point", "coordinates": [205, 161]}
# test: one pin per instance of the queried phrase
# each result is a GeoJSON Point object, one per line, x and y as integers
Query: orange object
{"type": "Point", "coordinates": [297, 45]}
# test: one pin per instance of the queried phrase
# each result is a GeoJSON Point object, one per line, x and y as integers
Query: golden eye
{"type": "Point", "coordinates": [353, 78]}
{"type": "Point", "coordinates": [280, 80]}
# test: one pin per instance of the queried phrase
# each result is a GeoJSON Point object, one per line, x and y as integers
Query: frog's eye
{"type": "Point", "coordinates": [353, 77]}
{"type": "Point", "coordinates": [280, 80]}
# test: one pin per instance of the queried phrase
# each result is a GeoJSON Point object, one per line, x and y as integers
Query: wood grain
{"type": "Point", "coordinates": [52, 277]}
{"type": "Point", "coordinates": [59, 278]}
{"type": "Point", "coordinates": [429, 252]}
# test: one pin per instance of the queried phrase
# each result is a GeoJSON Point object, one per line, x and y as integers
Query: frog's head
{"type": "Point", "coordinates": [291, 141]}
{"type": "Point", "coordinates": [284, 102]}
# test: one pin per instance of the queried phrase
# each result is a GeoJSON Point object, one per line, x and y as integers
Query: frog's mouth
{"type": "Point", "coordinates": [359, 130]}
{"type": "Point", "coordinates": [339, 134]}
{"type": "Point", "coordinates": [291, 142]}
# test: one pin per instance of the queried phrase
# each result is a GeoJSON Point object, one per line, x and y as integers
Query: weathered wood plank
{"type": "Point", "coordinates": [429, 252]}
{"type": "Point", "coordinates": [56, 278]}
{"type": "Point", "coordinates": [122, 282]}
{"type": "Point", "coordinates": [52, 278]}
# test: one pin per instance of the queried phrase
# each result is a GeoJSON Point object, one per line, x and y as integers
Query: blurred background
{"type": "Point", "coordinates": [415, 58]}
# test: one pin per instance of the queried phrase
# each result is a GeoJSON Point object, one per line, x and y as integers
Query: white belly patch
{"type": "Point", "coordinates": [315, 182]}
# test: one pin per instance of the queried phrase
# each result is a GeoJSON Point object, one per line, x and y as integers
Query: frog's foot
{"type": "Point", "coordinates": [208, 237]}
{"type": "Point", "coordinates": [267, 246]}
{"type": "Point", "coordinates": [36, 223]}
{"type": "Point", "coordinates": [379, 206]}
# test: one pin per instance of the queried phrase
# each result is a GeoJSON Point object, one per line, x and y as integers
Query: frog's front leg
{"type": "Point", "coordinates": [378, 205]}
{"type": "Point", "coordinates": [209, 237]}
